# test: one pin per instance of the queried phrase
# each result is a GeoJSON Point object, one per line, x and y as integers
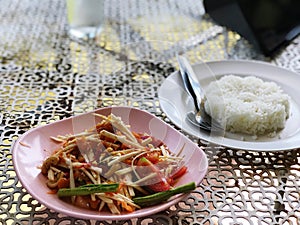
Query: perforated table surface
{"type": "Point", "coordinates": [46, 76]}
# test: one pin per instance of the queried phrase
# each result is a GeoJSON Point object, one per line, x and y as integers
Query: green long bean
{"type": "Point", "coordinates": [87, 189]}
{"type": "Point", "coordinates": [159, 197]}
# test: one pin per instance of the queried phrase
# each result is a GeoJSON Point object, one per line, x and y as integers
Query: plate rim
{"type": "Point", "coordinates": [90, 214]}
{"type": "Point", "coordinates": [224, 141]}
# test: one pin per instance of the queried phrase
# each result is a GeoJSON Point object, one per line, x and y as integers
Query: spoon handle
{"type": "Point", "coordinates": [189, 80]}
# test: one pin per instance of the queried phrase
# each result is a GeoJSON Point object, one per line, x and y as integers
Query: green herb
{"type": "Point", "coordinates": [163, 196]}
{"type": "Point", "coordinates": [87, 189]}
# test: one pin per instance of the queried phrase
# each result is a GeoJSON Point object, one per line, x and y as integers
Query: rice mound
{"type": "Point", "coordinates": [247, 105]}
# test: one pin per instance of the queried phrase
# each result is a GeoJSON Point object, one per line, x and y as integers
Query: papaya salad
{"type": "Point", "coordinates": [110, 167]}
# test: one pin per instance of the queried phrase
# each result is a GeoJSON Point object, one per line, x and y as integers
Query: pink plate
{"type": "Point", "coordinates": [35, 145]}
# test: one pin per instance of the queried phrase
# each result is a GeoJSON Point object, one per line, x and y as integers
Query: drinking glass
{"type": "Point", "coordinates": [85, 17]}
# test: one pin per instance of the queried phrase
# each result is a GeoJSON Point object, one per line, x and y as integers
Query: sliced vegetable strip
{"type": "Point", "coordinates": [107, 166]}
{"type": "Point", "coordinates": [88, 189]}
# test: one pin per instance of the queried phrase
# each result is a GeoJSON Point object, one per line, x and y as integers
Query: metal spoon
{"type": "Point", "coordinates": [199, 117]}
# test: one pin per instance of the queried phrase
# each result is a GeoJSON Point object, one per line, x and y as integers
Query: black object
{"type": "Point", "coordinates": [267, 24]}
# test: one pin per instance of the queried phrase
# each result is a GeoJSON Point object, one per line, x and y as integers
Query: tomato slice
{"type": "Point", "coordinates": [153, 157]}
{"type": "Point", "coordinates": [179, 173]}
{"type": "Point", "coordinates": [172, 179]}
{"type": "Point", "coordinates": [162, 184]}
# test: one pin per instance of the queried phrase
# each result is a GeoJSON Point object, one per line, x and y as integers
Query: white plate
{"type": "Point", "coordinates": [175, 102]}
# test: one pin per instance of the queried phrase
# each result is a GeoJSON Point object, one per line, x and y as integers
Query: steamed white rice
{"type": "Point", "coordinates": [247, 105]}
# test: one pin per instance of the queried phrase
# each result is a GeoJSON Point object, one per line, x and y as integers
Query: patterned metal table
{"type": "Point", "coordinates": [46, 76]}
